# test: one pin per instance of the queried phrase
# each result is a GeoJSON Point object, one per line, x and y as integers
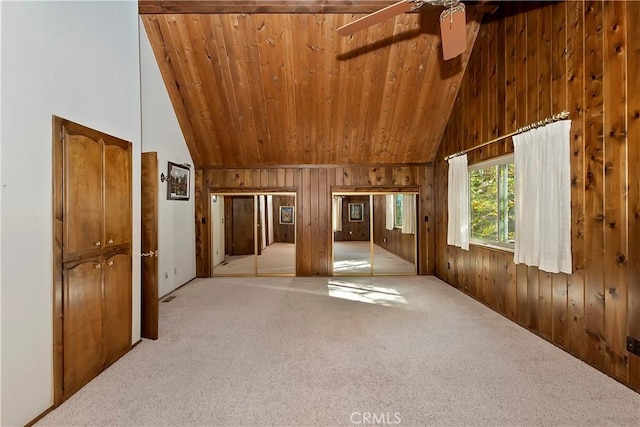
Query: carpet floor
{"type": "Point", "coordinates": [335, 351]}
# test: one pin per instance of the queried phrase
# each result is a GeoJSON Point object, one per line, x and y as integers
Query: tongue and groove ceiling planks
{"type": "Point", "coordinates": [280, 87]}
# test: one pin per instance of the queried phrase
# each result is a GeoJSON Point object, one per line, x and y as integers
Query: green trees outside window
{"type": "Point", "coordinates": [492, 209]}
{"type": "Point", "coordinates": [397, 218]}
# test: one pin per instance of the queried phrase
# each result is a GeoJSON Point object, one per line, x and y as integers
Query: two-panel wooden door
{"type": "Point", "coordinates": [97, 193]}
{"type": "Point", "coordinates": [96, 252]}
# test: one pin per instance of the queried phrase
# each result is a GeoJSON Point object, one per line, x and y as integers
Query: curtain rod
{"type": "Point", "coordinates": [556, 117]}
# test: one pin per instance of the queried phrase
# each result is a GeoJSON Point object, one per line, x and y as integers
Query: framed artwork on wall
{"type": "Point", "coordinates": [178, 182]}
{"type": "Point", "coordinates": [287, 215]}
{"type": "Point", "coordinates": [356, 212]}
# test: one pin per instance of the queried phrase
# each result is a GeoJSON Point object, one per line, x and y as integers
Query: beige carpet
{"type": "Point", "coordinates": [339, 351]}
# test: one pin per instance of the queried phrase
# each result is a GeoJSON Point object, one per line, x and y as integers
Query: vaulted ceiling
{"type": "Point", "coordinates": [280, 87]}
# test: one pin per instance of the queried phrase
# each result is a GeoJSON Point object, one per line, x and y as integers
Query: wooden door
{"type": "Point", "coordinates": [91, 197]}
{"type": "Point", "coordinates": [82, 165]}
{"type": "Point", "coordinates": [117, 306]}
{"type": "Point", "coordinates": [149, 245]}
{"type": "Point", "coordinates": [117, 194]}
{"type": "Point", "coordinates": [82, 319]}
{"type": "Point", "coordinates": [242, 242]}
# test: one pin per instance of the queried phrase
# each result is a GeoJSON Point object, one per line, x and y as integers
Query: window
{"type": "Point", "coordinates": [492, 202]}
{"type": "Point", "coordinates": [397, 217]}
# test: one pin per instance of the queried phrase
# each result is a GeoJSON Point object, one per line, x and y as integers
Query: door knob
{"type": "Point", "coordinates": [110, 263]}
{"type": "Point", "coordinates": [97, 266]}
{"type": "Point", "coordinates": [98, 244]}
{"type": "Point", "coordinates": [110, 242]}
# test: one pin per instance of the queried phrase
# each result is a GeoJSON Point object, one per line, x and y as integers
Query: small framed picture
{"type": "Point", "coordinates": [356, 212]}
{"type": "Point", "coordinates": [287, 215]}
{"type": "Point", "coordinates": [178, 182]}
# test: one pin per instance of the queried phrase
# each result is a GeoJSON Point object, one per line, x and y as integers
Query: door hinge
{"type": "Point", "coordinates": [61, 135]}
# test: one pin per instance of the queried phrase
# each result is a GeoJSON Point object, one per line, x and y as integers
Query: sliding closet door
{"type": "Point", "coordinates": [374, 233]}
{"type": "Point", "coordinates": [352, 239]}
{"type": "Point", "coordinates": [277, 234]}
{"type": "Point", "coordinates": [239, 236]}
{"type": "Point", "coordinates": [394, 233]}
{"type": "Point", "coordinates": [253, 234]}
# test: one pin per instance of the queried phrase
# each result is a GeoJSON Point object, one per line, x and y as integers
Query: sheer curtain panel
{"type": "Point", "coordinates": [408, 213]}
{"type": "Point", "coordinates": [337, 213]}
{"type": "Point", "coordinates": [543, 197]}
{"type": "Point", "coordinates": [458, 192]}
{"type": "Point", "coordinates": [389, 211]}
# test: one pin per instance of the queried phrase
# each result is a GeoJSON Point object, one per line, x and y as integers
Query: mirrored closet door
{"type": "Point", "coordinates": [374, 233]}
{"type": "Point", "coordinates": [253, 234]}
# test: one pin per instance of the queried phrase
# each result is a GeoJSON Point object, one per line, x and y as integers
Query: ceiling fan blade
{"type": "Point", "coordinates": [453, 28]}
{"type": "Point", "coordinates": [376, 17]}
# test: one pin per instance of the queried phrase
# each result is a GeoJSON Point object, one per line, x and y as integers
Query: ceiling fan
{"type": "Point", "coordinates": [453, 22]}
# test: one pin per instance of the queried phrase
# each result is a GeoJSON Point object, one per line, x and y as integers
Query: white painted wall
{"type": "Point", "coordinates": [80, 61]}
{"type": "Point", "coordinates": [161, 133]}
{"type": "Point", "coordinates": [217, 230]}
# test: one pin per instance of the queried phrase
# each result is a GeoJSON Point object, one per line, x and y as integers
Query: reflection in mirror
{"type": "Point", "coordinates": [394, 233]}
{"type": "Point", "coordinates": [276, 234]}
{"type": "Point", "coordinates": [374, 234]}
{"type": "Point", "coordinates": [253, 234]}
{"type": "Point", "coordinates": [233, 248]}
{"type": "Point", "coordinates": [351, 234]}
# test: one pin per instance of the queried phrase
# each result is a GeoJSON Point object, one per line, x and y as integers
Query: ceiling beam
{"type": "Point", "coordinates": [260, 6]}
{"type": "Point", "coordinates": [149, 7]}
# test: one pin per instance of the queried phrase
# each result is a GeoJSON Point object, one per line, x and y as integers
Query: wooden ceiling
{"type": "Point", "coordinates": [280, 87]}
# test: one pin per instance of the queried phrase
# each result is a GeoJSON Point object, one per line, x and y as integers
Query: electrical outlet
{"type": "Point", "coordinates": [633, 346]}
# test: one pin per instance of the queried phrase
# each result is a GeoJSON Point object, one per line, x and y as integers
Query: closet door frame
{"type": "Point", "coordinates": [371, 192]}
{"type": "Point", "coordinates": [255, 193]}
{"type": "Point", "coordinates": [59, 259]}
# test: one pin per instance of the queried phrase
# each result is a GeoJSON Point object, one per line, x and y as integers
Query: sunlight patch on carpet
{"type": "Point", "coordinates": [365, 293]}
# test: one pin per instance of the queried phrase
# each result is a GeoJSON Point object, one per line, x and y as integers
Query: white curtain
{"type": "Point", "coordinates": [389, 211]}
{"type": "Point", "coordinates": [270, 217]}
{"type": "Point", "coordinates": [408, 213]}
{"type": "Point", "coordinates": [543, 197]}
{"type": "Point", "coordinates": [337, 213]}
{"type": "Point", "coordinates": [458, 193]}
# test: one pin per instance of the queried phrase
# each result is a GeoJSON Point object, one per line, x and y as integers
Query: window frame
{"type": "Point", "coordinates": [485, 164]}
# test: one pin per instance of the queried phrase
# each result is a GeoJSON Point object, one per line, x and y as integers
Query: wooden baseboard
{"type": "Point", "coordinates": [41, 416]}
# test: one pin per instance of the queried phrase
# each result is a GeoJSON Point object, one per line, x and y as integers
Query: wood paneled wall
{"type": "Point", "coordinates": [583, 57]}
{"type": "Point", "coordinates": [313, 186]}
{"type": "Point", "coordinates": [282, 233]}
